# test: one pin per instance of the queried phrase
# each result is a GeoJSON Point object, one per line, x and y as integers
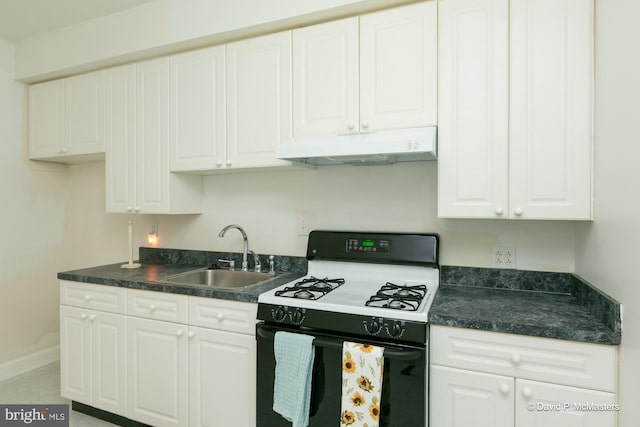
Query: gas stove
{"type": "Point", "coordinates": [374, 284]}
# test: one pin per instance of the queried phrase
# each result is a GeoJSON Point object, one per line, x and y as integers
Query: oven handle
{"type": "Point", "coordinates": [336, 343]}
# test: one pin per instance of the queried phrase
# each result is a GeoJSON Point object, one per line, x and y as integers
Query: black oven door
{"type": "Point", "coordinates": [403, 400]}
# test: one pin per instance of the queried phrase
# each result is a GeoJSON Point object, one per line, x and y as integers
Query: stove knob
{"type": "Point", "coordinates": [279, 314]}
{"type": "Point", "coordinates": [396, 330]}
{"type": "Point", "coordinates": [297, 316]}
{"type": "Point", "coordinates": [373, 327]}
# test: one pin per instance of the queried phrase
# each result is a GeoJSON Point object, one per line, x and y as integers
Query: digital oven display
{"type": "Point", "coordinates": [368, 245]}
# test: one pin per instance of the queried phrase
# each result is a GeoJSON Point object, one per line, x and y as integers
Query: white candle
{"type": "Point", "coordinates": [130, 242]}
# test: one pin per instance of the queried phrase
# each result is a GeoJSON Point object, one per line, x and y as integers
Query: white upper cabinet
{"type": "Point", "coordinates": [258, 101]}
{"type": "Point", "coordinates": [197, 109]}
{"type": "Point", "coordinates": [398, 67]}
{"type": "Point", "coordinates": [515, 109]}
{"type": "Point", "coordinates": [325, 78]}
{"type": "Point", "coordinates": [551, 108]}
{"type": "Point", "coordinates": [138, 179]}
{"type": "Point", "coordinates": [473, 106]}
{"type": "Point", "coordinates": [66, 118]}
{"type": "Point", "coordinates": [373, 72]}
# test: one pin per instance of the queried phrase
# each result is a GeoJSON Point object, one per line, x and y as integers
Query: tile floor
{"type": "Point", "coordinates": [42, 386]}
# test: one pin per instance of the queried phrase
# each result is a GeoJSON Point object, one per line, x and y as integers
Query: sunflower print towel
{"type": "Point", "coordinates": [362, 366]}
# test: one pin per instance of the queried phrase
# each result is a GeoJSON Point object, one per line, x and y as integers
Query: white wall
{"type": "Point", "coordinates": [607, 250]}
{"type": "Point", "coordinates": [32, 231]}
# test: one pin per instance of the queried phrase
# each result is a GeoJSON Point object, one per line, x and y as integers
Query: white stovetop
{"type": "Point", "coordinates": [361, 282]}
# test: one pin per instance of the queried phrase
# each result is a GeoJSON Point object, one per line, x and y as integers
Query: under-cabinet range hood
{"type": "Point", "coordinates": [364, 148]}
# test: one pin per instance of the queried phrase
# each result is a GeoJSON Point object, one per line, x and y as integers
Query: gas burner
{"type": "Point", "coordinates": [310, 288]}
{"type": "Point", "coordinates": [399, 297]}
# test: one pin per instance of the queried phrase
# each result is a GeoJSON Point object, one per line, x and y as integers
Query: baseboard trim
{"type": "Point", "coordinates": [27, 363]}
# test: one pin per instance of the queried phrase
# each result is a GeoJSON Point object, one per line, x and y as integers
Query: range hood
{"type": "Point", "coordinates": [365, 148]}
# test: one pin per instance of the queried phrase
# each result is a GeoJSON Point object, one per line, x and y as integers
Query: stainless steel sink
{"type": "Point", "coordinates": [229, 279]}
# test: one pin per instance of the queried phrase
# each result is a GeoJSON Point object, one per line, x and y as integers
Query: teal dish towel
{"type": "Point", "coordinates": [294, 355]}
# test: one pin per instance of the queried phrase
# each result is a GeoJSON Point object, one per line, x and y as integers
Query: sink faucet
{"type": "Point", "coordinates": [245, 264]}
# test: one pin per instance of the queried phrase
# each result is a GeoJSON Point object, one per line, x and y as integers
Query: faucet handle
{"type": "Point", "coordinates": [272, 269]}
{"type": "Point", "coordinates": [232, 263]}
{"type": "Point", "coordinates": [256, 261]}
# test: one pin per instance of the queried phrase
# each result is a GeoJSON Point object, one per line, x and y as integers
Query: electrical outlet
{"type": "Point", "coordinates": [503, 257]}
{"type": "Point", "coordinates": [302, 222]}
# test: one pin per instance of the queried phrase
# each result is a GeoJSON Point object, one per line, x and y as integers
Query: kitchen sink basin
{"type": "Point", "coordinates": [228, 279]}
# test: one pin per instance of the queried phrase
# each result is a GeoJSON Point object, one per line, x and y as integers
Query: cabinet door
{"type": "Point", "coordinates": [84, 114]}
{"type": "Point", "coordinates": [325, 78]}
{"type": "Point", "coordinates": [120, 157]}
{"type": "Point", "coordinates": [222, 378]}
{"type": "Point", "coordinates": [398, 67]}
{"type": "Point", "coordinates": [551, 405]}
{"type": "Point", "coordinates": [258, 100]}
{"type": "Point", "coordinates": [198, 133]}
{"type": "Point", "coordinates": [108, 339]}
{"type": "Point", "coordinates": [462, 398]}
{"type": "Point", "coordinates": [157, 371]}
{"type": "Point", "coordinates": [473, 113]}
{"type": "Point", "coordinates": [75, 354]}
{"type": "Point", "coordinates": [46, 109]}
{"type": "Point", "coordinates": [152, 144]}
{"type": "Point", "coordinates": [551, 108]}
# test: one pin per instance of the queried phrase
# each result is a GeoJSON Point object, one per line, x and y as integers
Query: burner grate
{"type": "Point", "coordinates": [310, 288]}
{"type": "Point", "coordinates": [399, 297]}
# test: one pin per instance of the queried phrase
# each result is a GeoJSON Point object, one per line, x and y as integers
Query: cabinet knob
{"type": "Point", "coordinates": [504, 388]}
{"type": "Point", "coordinates": [518, 211]}
{"type": "Point", "coordinates": [83, 316]}
{"type": "Point", "coordinates": [64, 151]}
{"type": "Point", "coordinates": [516, 359]}
{"type": "Point", "coordinates": [229, 162]}
{"type": "Point", "coordinates": [87, 298]}
{"type": "Point", "coordinates": [365, 124]}
{"type": "Point", "coordinates": [220, 316]}
{"type": "Point", "coordinates": [527, 392]}
{"type": "Point", "coordinates": [351, 125]}
{"type": "Point", "coordinates": [129, 209]}
{"type": "Point", "coordinates": [152, 308]}
{"type": "Point", "coordinates": [138, 209]}
{"type": "Point", "coordinates": [499, 211]}
{"type": "Point", "coordinates": [191, 334]}
{"type": "Point", "coordinates": [218, 163]}
{"type": "Point", "coordinates": [92, 317]}
{"type": "Point", "coordinates": [180, 332]}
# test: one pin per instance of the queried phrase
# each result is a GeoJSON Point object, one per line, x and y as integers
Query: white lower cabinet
{"type": "Point", "coordinates": [159, 358]}
{"type": "Point", "coordinates": [489, 379]}
{"type": "Point", "coordinates": [157, 365]}
{"type": "Point", "coordinates": [93, 347]}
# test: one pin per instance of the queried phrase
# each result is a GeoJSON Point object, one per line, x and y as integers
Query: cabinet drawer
{"type": "Point", "coordinates": [542, 359]}
{"type": "Point", "coordinates": [233, 316]}
{"type": "Point", "coordinates": [157, 305]}
{"type": "Point", "coordinates": [95, 297]}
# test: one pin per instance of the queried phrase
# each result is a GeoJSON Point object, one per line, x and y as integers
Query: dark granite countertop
{"type": "Point", "coordinates": [158, 264]}
{"type": "Point", "coordinates": [551, 305]}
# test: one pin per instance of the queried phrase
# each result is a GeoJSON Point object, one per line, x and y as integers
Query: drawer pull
{"type": "Point", "coordinates": [180, 332]}
{"type": "Point", "coordinates": [527, 392]}
{"type": "Point", "coordinates": [516, 359]}
{"type": "Point", "coordinates": [220, 317]}
{"type": "Point", "coordinates": [504, 388]}
{"type": "Point", "coordinates": [87, 298]}
{"type": "Point", "coordinates": [152, 308]}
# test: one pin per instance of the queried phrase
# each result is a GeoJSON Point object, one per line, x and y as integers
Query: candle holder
{"type": "Point", "coordinates": [131, 264]}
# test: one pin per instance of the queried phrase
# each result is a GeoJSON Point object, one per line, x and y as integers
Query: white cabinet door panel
{"type": "Point", "coordinates": [75, 354]}
{"type": "Point", "coordinates": [198, 129]}
{"type": "Point", "coordinates": [464, 398]}
{"type": "Point", "coordinates": [552, 405]}
{"type": "Point", "coordinates": [84, 113]}
{"type": "Point", "coordinates": [325, 78]}
{"type": "Point", "coordinates": [259, 100]}
{"type": "Point", "coordinates": [473, 142]}
{"type": "Point", "coordinates": [551, 108]}
{"type": "Point", "coordinates": [398, 67]}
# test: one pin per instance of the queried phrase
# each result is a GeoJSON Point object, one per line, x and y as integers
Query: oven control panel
{"type": "Point", "coordinates": [368, 245]}
{"type": "Point", "coordinates": [390, 328]}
